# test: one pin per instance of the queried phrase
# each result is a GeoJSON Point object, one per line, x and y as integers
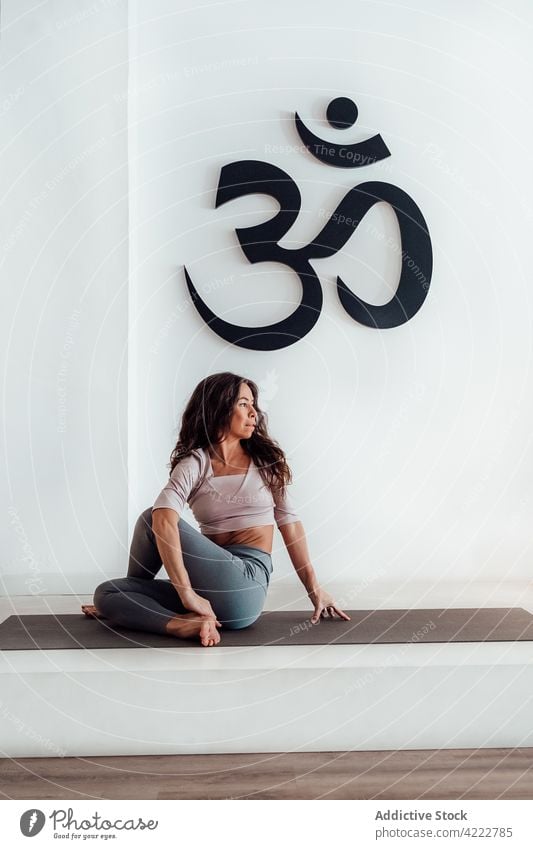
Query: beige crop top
{"type": "Point", "coordinates": [223, 502]}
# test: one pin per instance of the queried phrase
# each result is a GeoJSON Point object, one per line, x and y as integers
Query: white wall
{"type": "Point", "coordinates": [64, 319]}
{"type": "Point", "coordinates": [410, 447]}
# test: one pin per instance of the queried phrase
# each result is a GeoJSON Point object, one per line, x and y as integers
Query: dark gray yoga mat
{"type": "Point", "coordinates": [282, 628]}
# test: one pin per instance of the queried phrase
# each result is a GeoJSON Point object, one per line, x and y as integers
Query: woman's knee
{"type": "Point", "coordinates": [105, 592]}
{"type": "Point", "coordinates": [144, 524]}
{"type": "Point", "coordinates": [144, 521]}
{"type": "Point", "coordinates": [105, 587]}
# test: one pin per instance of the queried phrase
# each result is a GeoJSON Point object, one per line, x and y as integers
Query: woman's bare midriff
{"type": "Point", "coordinates": [260, 537]}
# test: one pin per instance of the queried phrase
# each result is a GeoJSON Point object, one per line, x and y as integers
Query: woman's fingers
{"type": "Point", "coordinates": [330, 611]}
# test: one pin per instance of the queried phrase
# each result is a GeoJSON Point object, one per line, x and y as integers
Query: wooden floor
{"type": "Point", "coordinates": [423, 774]}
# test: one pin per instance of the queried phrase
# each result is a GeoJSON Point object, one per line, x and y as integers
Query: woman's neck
{"type": "Point", "coordinates": [228, 452]}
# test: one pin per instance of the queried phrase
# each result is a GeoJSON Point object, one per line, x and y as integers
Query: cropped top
{"type": "Point", "coordinates": [223, 502]}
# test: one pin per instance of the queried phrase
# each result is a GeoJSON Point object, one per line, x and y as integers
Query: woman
{"type": "Point", "coordinates": [234, 476]}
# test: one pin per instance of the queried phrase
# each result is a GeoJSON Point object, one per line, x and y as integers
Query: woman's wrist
{"type": "Point", "coordinates": [308, 578]}
{"type": "Point", "coordinates": [184, 592]}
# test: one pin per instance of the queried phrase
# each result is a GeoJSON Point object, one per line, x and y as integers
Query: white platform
{"type": "Point", "coordinates": [273, 699]}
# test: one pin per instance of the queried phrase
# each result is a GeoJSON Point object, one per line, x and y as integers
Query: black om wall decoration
{"type": "Point", "coordinates": [260, 243]}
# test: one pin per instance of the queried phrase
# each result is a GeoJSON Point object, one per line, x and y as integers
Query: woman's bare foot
{"type": "Point", "coordinates": [191, 624]}
{"type": "Point", "coordinates": [91, 611]}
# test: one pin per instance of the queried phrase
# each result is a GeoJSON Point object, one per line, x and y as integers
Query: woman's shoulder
{"type": "Point", "coordinates": [194, 463]}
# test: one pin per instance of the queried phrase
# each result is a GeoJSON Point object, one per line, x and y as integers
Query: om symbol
{"type": "Point", "coordinates": [260, 243]}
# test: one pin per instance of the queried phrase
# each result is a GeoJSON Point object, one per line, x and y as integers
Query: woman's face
{"type": "Point", "coordinates": [244, 416]}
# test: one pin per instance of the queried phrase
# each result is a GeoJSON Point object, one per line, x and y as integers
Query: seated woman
{"type": "Point", "coordinates": [234, 477]}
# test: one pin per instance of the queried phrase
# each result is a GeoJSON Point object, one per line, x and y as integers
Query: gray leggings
{"type": "Point", "coordinates": [234, 578]}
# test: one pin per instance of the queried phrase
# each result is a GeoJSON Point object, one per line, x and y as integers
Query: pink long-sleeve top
{"type": "Point", "coordinates": [223, 502]}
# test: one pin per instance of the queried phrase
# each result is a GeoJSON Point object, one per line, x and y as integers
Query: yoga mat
{"type": "Point", "coordinates": [282, 628]}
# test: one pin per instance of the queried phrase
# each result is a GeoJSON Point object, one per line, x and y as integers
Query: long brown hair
{"type": "Point", "coordinates": [207, 416]}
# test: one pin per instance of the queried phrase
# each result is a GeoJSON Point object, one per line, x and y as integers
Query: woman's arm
{"type": "Point", "coordinates": [294, 538]}
{"type": "Point", "coordinates": [167, 537]}
{"type": "Point", "coordinates": [165, 528]}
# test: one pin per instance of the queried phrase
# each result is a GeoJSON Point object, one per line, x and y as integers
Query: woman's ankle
{"type": "Point", "coordinates": [177, 622]}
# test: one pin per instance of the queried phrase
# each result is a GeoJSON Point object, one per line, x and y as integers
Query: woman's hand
{"type": "Point", "coordinates": [324, 605]}
{"type": "Point", "coordinates": [192, 601]}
